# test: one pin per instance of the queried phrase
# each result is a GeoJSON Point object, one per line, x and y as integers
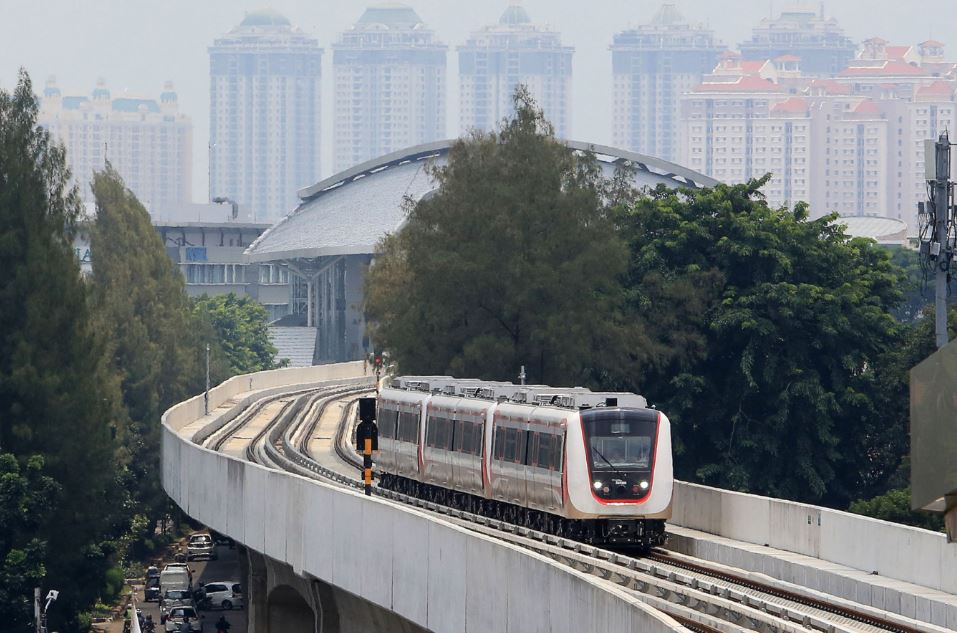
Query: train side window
{"type": "Point", "coordinates": [557, 451]}
{"type": "Point", "coordinates": [430, 424]}
{"type": "Point", "coordinates": [386, 423]}
{"type": "Point", "coordinates": [449, 434]}
{"type": "Point", "coordinates": [534, 440]}
{"type": "Point", "coordinates": [521, 444]}
{"type": "Point", "coordinates": [543, 455]}
{"type": "Point", "coordinates": [499, 443]}
{"type": "Point", "coordinates": [478, 439]}
{"type": "Point", "coordinates": [510, 441]}
{"type": "Point", "coordinates": [460, 437]}
{"type": "Point", "coordinates": [469, 440]}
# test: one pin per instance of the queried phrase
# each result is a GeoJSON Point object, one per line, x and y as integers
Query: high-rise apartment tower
{"type": "Point", "coordinates": [819, 42]}
{"type": "Point", "coordinates": [264, 103]}
{"type": "Point", "coordinates": [652, 66]}
{"type": "Point", "coordinates": [148, 142]}
{"type": "Point", "coordinates": [496, 59]}
{"type": "Point", "coordinates": [390, 74]}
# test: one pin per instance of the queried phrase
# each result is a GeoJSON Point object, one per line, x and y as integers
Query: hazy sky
{"type": "Point", "coordinates": [136, 44]}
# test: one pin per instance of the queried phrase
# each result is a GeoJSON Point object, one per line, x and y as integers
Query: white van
{"type": "Point", "coordinates": [176, 578]}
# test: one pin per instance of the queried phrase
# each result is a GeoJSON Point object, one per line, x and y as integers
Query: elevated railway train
{"type": "Point", "coordinates": [592, 466]}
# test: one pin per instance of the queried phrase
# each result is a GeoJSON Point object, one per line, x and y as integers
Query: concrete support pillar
{"type": "Point", "coordinates": [327, 613]}
{"type": "Point", "coordinates": [257, 605]}
{"type": "Point", "coordinates": [310, 322]}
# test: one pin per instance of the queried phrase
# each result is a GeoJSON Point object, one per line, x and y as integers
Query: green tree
{"type": "Point", "coordinates": [894, 505]}
{"type": "Point", "coordinates": [57, 393]}
{"type": "Point", "coordinates": [513, 261]}
{"type": "Point", "coordinates": [241, 328]}
{"type": "Point", "coordinates": [141, 303]}
{"type": "Point", "coordinates": [763, 337]}
{"type": "Point", "coordinates": [28, 500]}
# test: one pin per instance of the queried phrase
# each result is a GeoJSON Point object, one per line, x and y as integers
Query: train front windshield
{"type": "Point", "coordinates": [620, 446]}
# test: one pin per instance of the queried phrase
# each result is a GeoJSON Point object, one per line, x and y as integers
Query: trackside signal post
{"type": "Point", "coordinates": [367, 437]}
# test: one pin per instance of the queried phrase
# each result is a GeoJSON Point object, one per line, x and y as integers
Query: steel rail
{"type": "Point", "coordinates": [658, 580]}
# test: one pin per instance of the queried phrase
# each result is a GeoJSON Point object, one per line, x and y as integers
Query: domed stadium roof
{"type": "Point", "coordinates": [515, 14]}
{"type": "Point", "coordinates": [351, 211]}
{"type": "Point", "coordinates": [887, 231]}
{"type": "Point", "coordinates": [392, 15]}
{"type": "Point", "coordinates": [265, 17]}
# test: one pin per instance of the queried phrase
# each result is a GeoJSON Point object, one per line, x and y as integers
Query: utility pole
{"type": "Point", "coordinates": [937, 247]}
{"type": "Point", "coordinates": [206, 394]}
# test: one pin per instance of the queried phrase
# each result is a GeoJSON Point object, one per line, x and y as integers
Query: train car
{"type": "Point", "coordinates": [593, 466]}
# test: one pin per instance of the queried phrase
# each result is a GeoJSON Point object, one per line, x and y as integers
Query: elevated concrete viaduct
{"type": "Point", "coordinates": [323, 558]}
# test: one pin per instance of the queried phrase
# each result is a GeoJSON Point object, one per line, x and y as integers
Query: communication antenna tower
{"type": "Point", "coordinates": [937, 231]}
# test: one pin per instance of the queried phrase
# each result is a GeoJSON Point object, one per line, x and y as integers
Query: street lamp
{"type": "Point", "coordinates": [233, 203]}
{"type": "Point", "coordinates": [41, 616]}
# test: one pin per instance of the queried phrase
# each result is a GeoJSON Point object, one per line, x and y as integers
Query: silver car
{"type": "Point", "coordinates": [177, 617]}
{"type": "Point", "coordinates": [174, 598]}
{"type": "Point", "coordinates": [200, 546]}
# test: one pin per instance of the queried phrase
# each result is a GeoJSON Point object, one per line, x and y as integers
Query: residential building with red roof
{"type": "Point", "coordinates": [739, 128]}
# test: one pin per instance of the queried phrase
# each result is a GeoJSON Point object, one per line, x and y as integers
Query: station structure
{"type": "Point", "coordinates": [329, 240]}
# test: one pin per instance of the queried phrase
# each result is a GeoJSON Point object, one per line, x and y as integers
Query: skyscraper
{"type": "Point", "coordinates": [819, 42]}
{"type": "Point", "coordinates": [264, 103]}
{"type": "Point", "coordinates": [148, 142]}
{"type": "Point", "coordinates": [652, 66]}
{"type": "Point", "coordinates": [497, 58]}
{"type": "Point", "coordinates": [390, 73]}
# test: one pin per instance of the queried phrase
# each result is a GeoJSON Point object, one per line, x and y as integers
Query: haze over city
{"type": "Point", "coordinates": [137, 46]}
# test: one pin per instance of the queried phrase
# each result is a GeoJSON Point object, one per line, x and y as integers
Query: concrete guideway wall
{"type": "Point", "coordinates": [894, 551]}
{"type": "Point", "coordinates": [429, 571]}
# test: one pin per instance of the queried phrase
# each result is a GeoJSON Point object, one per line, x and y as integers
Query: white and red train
{"type": "Point", "coordinates": [572, 462]}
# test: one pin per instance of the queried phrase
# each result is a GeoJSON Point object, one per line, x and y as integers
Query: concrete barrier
{"type": "Point", "coordinates": [435, 574]}
{"type": "Point", "coordinates": [891, 550]}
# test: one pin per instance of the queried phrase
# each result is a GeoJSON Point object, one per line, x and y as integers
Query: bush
{"type": "Point", "coordinates": [894, 506]}
{"type": "Point", "coordinates": [113, 583]}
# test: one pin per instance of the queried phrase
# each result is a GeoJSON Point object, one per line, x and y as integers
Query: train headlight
{"type": "Point", "coordinates": [597, 485]}
{"type": "Point", "coordinates": [644, 485]}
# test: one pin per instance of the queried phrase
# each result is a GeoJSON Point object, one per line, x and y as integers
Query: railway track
{"type": "Point", "coordinates": [699, 595]}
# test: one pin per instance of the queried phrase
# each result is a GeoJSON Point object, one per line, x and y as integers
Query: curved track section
{"type": "Point", "coordinates": [308, 432]}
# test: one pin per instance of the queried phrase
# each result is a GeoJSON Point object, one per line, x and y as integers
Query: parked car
{"type": "Point", "coordinates": [172, 599]}
{"type": "Point", "coordinates": [178, 615]}
{"type": "Point", "coordinates": [223, 595]}
{"type": "Point", "coordinates": [152, 590]}
{"type": "Point", "coordinates": [200, 546]}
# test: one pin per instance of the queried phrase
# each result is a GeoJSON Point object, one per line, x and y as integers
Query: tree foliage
{"type": "Point", "coordinates": [894, 505]}
{"type": "Point", "coordinates": [513, 261]}
{"type": "Point", "coordinates": [57, 395]}
{"type": "Point", "coordinates": [241, 326]}
{"type": "Point", "coordinates": [28, 499]}
{"type": "Point", "coordinates": [141, 303]}
{"type": "Point", "coordinates": [766, 340]}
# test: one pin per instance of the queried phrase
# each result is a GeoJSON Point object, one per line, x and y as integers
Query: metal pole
{"type": "Point", "coordinates": [942, 214]}
{"type": "Point", "coordinates": [36, 609]}
{"type": "Point", "coordinates": [367, 465]}
{"type": "Point", "coordinates": [521, 376]}
{"type": "Point", "coordinates": [206, 394]}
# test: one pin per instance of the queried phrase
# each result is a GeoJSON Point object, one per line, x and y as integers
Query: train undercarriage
{"type": "Point", "coordinates": [642, 534]}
